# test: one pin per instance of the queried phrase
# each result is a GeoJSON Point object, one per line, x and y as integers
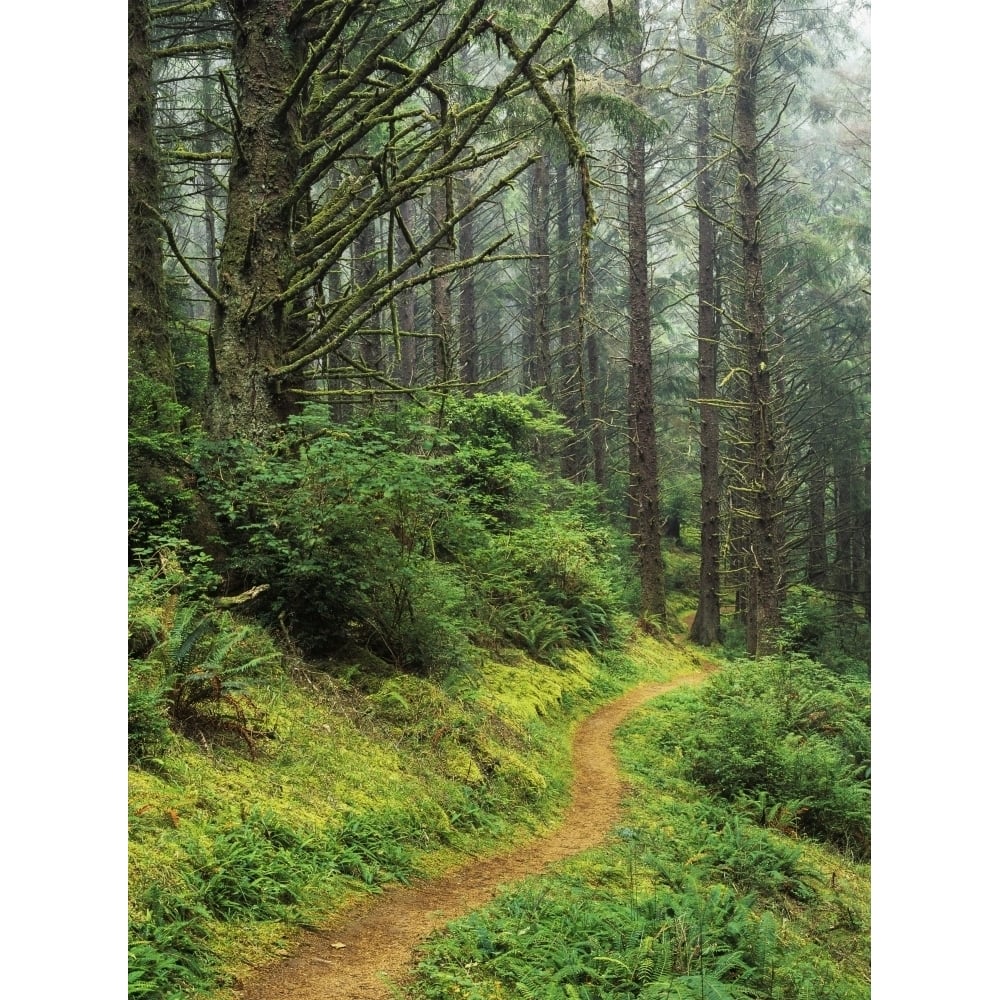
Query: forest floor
{"type": "Point", "coordinates": [370, 946]}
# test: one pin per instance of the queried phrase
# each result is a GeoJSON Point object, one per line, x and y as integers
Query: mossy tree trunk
{"type": "Point", "coordinates": [254, 331]}
{"type": "Point", "coordinates": [706, 627]}
{"type": "Point", "coordinates": [644, 490]}
{"type": "Point", "coordinates": [762, 477]}
{"type": "Point", "coordinates": [468, 349]}
{"type": "Point", "coordinates": [571, 390]}
{"type": "Point", "coordinates": [537, 322]}
{"type": "Point", "coordinates": [148, 336]}
{"type": "Point", "coordinates": [316, 87]}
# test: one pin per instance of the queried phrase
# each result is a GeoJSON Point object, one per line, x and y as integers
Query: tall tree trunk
{"type": "Point", "coordinates": [863, 544]}
{"type": "Point", "coordinates": [148, 338]}
{"type": "Point", "coordinates": [644, 496]}
{"type": "Point", "coordinates": [254, 332]}
{"type": "Point", "coordinates": [209, 182]}
{"type": "Point", "coordinates": [442, 255]}
{"type": "Point", "coordinates": [406, 304]}
{"type": "Point", "coordinates": [843, 519]}
{"type": "Point", "coordinates": [467, 348]}
{"type": "Point", "coordinates": [537, 362]}
{"type": "Point", "coordinates": [593, 381]}
{"type": "Point", "coordinates": [763, 477]}
{"type": "Point", "coordinates": [706, 627]}
{"type": "Point", "coordinates": [816, 566]}
{"type": "Point", "coordinates": [570, 388]}
{"type": "Point", "coordinates": [364, 267]}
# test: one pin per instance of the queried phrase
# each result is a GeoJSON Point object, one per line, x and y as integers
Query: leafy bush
{"type": "Point", "coordinates": [148, 725]}
{"type": "Point", "coordinates": [786, 733]}
{"type": "Point", "coordinates": [162, 501]}
{"type": "Point", "coordinates": [495, 439]}
{"type": "Point", "coordinates": [387, 535]}
{"type": "Point", "coordinates": [352, 535]}
{"type": "Point", "coordinates": [166, 953]}
{"type": "Point", "coordinates": [559, 941]}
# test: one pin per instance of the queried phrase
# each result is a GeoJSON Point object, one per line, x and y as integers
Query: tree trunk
{"type": "Point", "coordinates": [364, 267]}
{"type": "Point", "coordinates": [537, 362]}
{"type": "Point", "coordinates": [254, 330]}
{"type": "Point", "coordinates": [816, 566]}
{"type": "Point", "coordinates": [467, 348]}
{"type": "Point", "coordinates": [763, 475]}
{"type": "Point", "coordinates": [706, 627]}
{"type": "Point", "coordinates": [594, 383]}
{"type": "Point", "coordinates": [644, 499]}
{"type": "Point", "coordinates": [843, 518]}
{"type": "Point", "coordinates": [406, 305]}
{"type": "Point", "coordinates": [148, 338]}
{"type": "Point", "coordinates": [570, 391]}
{"type": "Point", "coordinates": [441, 256]}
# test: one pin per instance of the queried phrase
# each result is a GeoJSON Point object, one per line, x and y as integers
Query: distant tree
{"type": "Point", "coordinates": [759, 473]}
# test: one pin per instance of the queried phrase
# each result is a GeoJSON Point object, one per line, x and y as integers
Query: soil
{"type": "Point", "coordinates": [370, 946]}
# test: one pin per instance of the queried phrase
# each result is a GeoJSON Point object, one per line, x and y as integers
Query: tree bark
{"type": "Point", "coordinates": [467, 347]}
{"type": "Point", "coordinates": [254, 332]}
{"type": "Point", "coordinates": [763, 475]}
{"type": "Point", "coordinates": [816, 566]}
{"type": "Point", "coordinates": [148, 338]}
{"type": "Point", "coordinates": [570, 386]}
{"type": "Point", "coordinates": [644, 497]}
{"type": "Point", "coordinates": [537, 361]}
{"type": "Point", "coordinates": [364, 267]}
{"type": "Point", "coordinates": [706, 627]}
{"type": "Point", "coordinates": [406, 304]}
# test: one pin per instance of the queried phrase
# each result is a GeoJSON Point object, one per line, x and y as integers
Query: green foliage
{"type": "Point", "coordinates": [148, 725]}
{"type": "Point", "coordinates": [826, 631]}
{"type": "Point", "coordinates": [352, 532]}
{"type": "Point", "coordinates": [414, 541]}
{"type": "Point", "coordinates": [161, 496]}
{"type": "Point", "coordinates": [188, 669]}
{"type": "Point", "coordinates": [789, 742]}
{"type": "Point", "coordinates": [166, 951]}
{"type": "Point", "coordinates": [562, 940]}
{"type": "Point", "coordinates": [495, 438]}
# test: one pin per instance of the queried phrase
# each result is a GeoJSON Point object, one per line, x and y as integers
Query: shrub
{"type": "Point", "coordinates": [352, 536]}
{"type": "Point", "coordinates": [385, 535]}
{"type": "Point", "coordinates": [790, 735]}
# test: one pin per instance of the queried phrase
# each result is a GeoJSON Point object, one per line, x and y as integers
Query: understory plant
{"type": "Point", "coordinates": [189, 667]}
{"type": "Point", "coordinates": [786, 741]}
{"type": "Point", "coordinates": [415, 535]}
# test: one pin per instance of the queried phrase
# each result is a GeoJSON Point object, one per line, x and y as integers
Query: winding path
{"type": "Point", "coordinates": [371, 944]}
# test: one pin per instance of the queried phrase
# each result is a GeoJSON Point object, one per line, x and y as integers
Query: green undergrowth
{"type": "Point", "coordinates": [695, 896]}
{"type": "Point", "coordinates": [234, 843]}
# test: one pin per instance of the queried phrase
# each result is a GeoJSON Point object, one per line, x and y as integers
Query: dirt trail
{"type": "Point", "coordinates": [371, 944]}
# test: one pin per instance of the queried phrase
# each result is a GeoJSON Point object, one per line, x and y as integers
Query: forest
{"type": "Point", "coordinates": [485, 362]}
